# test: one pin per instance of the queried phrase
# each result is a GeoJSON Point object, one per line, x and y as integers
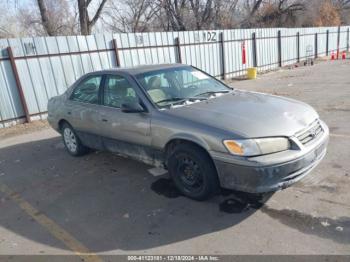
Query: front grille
{"type": "Point", "coordinates": [310, 133]}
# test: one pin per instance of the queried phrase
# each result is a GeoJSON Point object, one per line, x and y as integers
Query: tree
{"type": "Point", "coordinates": [130, 15]}
{"type": "Point", "coordinates": [71, 17]}
{"type": "Point", "coordinates": [342, 4]}
{"type": "Point", "coordinates": [85, 23]}
{"type": "Point", "coordinates": [175, 13]}
{"type": "Point", "coordinates": [181, 15]}
{"type": "Point", "coordinates": [8, 22]}
{"type": "Point", "coordinates": [280, 13]}
{"type": "Point", "coordinates": [343, 8]}
{"type": "Point", "coordinates": [328, 15]}
{"type": "Point", "coordinates": [202, 12]}
{"type": "Point", "coordinates": [226, 14]}
{"type": "Point", "coordinates": [51, 17]}
{"type": "Point", "coordinates": [251, 8]}
{"type": "Point", "coordinates": [45, 18]}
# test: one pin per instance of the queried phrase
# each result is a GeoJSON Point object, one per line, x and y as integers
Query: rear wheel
{"type": "Point", "coordinates": [193, 172]}
{"type": "Point", "coordinates": [72, 141]}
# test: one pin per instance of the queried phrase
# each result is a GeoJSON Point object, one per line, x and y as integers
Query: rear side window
{"type": "Point", "coordinates": [87, 91]}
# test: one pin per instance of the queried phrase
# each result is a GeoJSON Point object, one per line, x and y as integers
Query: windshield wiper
{"type": "Point", "coordinates": [180, 99]}
{"type": "Point", "coordinates": [173, 99]}
{"type": "Point", "coordinates": [212, 92]}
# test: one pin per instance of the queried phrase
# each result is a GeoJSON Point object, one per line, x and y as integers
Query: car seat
{"type": "Point", "coordinates": [155, 89]}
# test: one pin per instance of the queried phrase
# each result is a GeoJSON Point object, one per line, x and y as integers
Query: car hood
{"type": "Point", "coordinates": [249, 114]}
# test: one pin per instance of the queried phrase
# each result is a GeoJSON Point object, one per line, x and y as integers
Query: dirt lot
{"type": "Point", "coordinates": [52, 203]}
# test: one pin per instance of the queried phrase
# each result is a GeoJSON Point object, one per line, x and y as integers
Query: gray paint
{"type": "Point", "coordinates": [235, 115]}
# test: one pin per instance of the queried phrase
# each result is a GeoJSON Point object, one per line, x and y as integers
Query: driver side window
{"type": "Point", "coordinates": [117, 91]}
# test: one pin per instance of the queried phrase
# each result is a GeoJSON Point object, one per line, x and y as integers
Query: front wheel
{"type": "Point", "coordinates": [193, 172]}
{"type": "Point", "coordinates": [72, 141]}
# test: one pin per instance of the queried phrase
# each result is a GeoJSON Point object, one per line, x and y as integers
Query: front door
{"type": "Point", "coordinates": [125, 133]}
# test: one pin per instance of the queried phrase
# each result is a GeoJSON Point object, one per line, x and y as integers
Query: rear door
{"type": "Point", "coordinates": [82, 110]}
{"type": "Point", "coordinates": [125, 133]}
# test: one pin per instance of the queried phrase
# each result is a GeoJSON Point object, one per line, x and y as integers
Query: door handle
{"type": "Point", "coordinates": [104, 120]}
{"type": "Point", "coordinates": [69, 113]}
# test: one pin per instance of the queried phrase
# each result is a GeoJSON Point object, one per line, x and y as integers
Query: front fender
{"type": "Point", "coordinates": [190, 138]}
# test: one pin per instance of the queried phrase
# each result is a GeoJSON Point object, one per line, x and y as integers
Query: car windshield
{"type": "Point", "coordinates": [178, 85]}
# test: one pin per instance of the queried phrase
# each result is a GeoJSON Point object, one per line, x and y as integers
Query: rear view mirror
{"type": "Point", "coordinates": [132, 107]}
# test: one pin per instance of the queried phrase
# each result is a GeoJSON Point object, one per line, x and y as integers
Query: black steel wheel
{"type": "Point", "coordinates": [193, 172]}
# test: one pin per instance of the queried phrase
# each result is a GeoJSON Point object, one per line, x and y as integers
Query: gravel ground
{"type": "Point", "coordinates": [23, 129]}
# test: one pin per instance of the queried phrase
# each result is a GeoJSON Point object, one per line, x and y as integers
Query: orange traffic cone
{"type": "Point", "coordinates": [343, 55]}
{"type": "Point", "coordinates": [332, 55]}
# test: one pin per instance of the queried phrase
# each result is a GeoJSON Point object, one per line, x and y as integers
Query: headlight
{"type": "Point", "coordinates": [258, 146]}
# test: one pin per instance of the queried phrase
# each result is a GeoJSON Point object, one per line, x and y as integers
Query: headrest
{"type": "Point", "coordinates": [154, 82]}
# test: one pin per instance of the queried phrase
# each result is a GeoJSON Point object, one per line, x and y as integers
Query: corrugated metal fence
{"type": "Point", "coordinates": [34, 69]}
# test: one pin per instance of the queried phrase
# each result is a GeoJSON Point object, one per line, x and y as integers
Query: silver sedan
{"type": "Point", "coordinates": [206, 134]}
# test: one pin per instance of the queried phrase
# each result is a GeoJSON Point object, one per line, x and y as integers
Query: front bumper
{"type": "Point", "coordinates": [256, 175]}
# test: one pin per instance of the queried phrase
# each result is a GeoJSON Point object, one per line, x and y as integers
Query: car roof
{"type": "Point", "coordinates": [140, 69]}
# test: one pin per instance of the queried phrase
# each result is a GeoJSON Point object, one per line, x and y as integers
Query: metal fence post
{"type": "Point", "coordinates": [279, 48]}
{"type": "Point", "coordinates": [338, 42]}
{"type": "Point", "coordinates": [115, 46]}
{"type": "Point", "coordinates": [298, 47]}
{"type": "Point", "coordinates": [316, 45]}
{"type": "Point", "coordinates": [254, 51]}
{"type": "Point", "coordinates": [18, 84]}
{"type": "Point", "coordinates": [178, 47]}
{"type": "Point", "coordinates": [347, 40]}
{"type": "Point", "coordinates": [327, 42]}
{"type": "Point", "coordinates": [223, 55]}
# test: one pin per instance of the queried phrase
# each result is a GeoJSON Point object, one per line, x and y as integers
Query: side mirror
{"type": "Point", "coordinates": [132, 107]}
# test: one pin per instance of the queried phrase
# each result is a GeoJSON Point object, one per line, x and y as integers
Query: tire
{"type": "Point", "coordinates": [193, 172]}
{"type": "Point", "coordinates": [72, 142]}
